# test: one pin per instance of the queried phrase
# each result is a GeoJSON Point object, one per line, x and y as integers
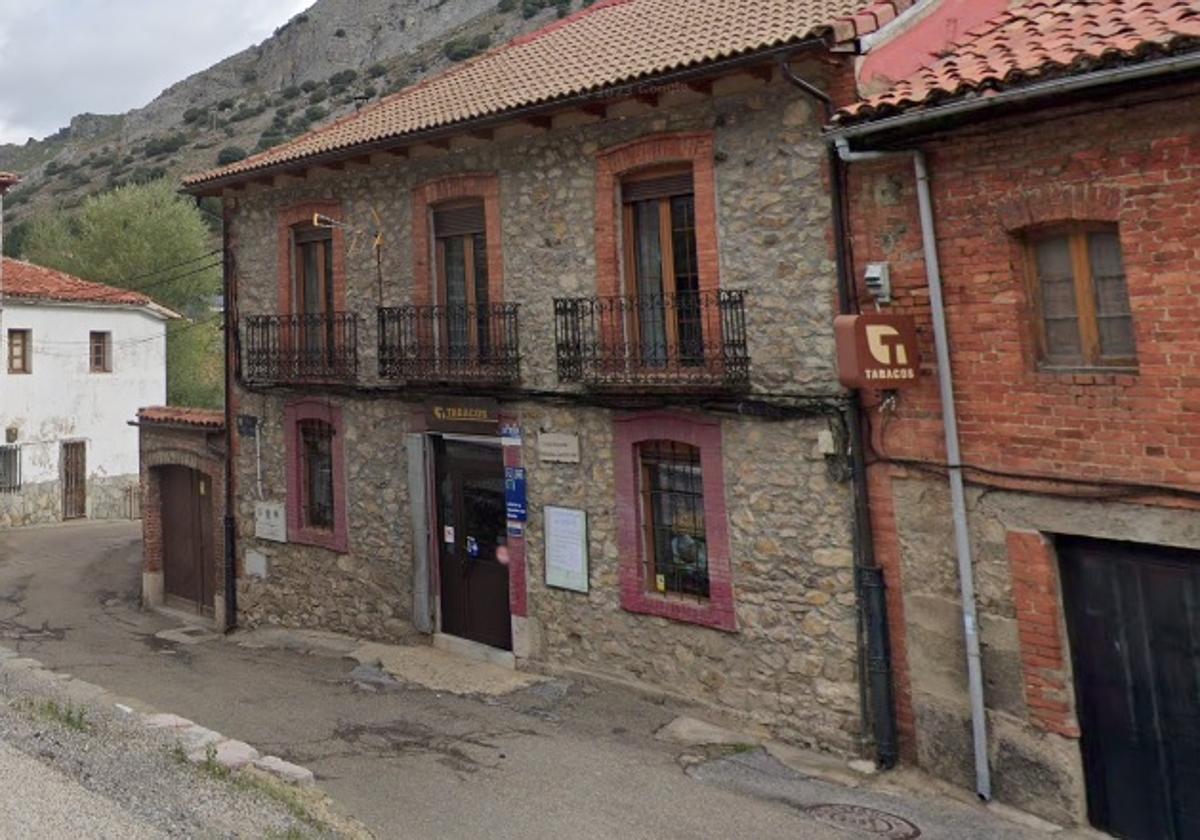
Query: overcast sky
{"type": "Point", "coordinates": [59, 58]}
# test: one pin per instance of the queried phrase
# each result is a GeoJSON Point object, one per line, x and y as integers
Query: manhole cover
{"type": "Point", "coordinates": [866, 820]}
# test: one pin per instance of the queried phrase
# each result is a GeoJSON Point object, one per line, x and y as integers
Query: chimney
{"type": "Point", "coordinates": [7, 182]}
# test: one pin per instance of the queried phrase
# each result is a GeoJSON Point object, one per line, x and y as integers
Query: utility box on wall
{"type": "Point", "coordinates": [877, 350]}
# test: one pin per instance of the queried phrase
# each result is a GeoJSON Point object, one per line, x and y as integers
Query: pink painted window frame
{"type": "Point", "coordinates": [294, 413]}
{"type": "Point", "coordinates": [629, 433]}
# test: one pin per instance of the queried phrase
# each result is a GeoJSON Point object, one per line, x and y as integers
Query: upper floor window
{"type": "Point", "coordinates": [1084, 313]}
{"type": "Point", "coordinates": [460, 236]}
{"type": "Point", "coordinates": [19, 342]}
{"type": "Point", "coordinates": [312, 274]}
{"type": "Point", "coordinates": [100, 352]}
{"type": "Point", "coordinates": [661, 265]}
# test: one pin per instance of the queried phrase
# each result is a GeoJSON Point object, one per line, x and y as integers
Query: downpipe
{"type": "Point", "coordinates": [958, 501]}
{"type": "Point", "coordinates": [875, 664]}
{"type": "Point", "coordinates": [230, 491]}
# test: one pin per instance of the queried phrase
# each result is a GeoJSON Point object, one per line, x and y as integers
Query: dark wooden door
{"type": "Point", "coordinates": [471, 527]}
{"type": "Point", "coordinates": [74, 479]}
{"type": "Point", "coordinates": [1133, 615]}
{"type": "Point", "coordinates": [187, 535]}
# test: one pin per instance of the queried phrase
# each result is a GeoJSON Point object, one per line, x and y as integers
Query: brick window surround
{"type": "Point", "coordinates": [337, 538]}
{"type": "Point", "coordinates": [648, 152]}
{"type": "Point", "coordinates": [302, 214]}
{"type": "Point", "coordinates": [636, 596]}
{"type": "Point", "coordinates": [477, 185]}
{"type": "Point", "coordinates": [1049, 695]}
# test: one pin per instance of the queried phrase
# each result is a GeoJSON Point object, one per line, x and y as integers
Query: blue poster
{"type": "Point", "coordinates": [514, 493]}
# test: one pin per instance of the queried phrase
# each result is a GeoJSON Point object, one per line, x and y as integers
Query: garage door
{"type": "Point", "coordinates": [1133, 615]}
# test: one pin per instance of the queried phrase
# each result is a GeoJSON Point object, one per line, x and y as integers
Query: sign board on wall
{"type": "Point", "coordinates": [566, 548]}
{"type": "Point", "coordinates": [877, 350]}
{"type": "Point", "coordinates": [514, 494]}
{"type": "Point", "coordinates": [463, 416]}
{"type": "Point", "coordinates": [559, 448]}
{"type": "Point", "coordinates": [270, 522]}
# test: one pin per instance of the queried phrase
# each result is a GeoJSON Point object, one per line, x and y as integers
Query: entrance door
{"type": "Point", "coordinates": [74, 472]}
{"type": "Point", "coordinates": [187, 535]}
{"type": "Point", "coordinates": [1133, 615]}
{"type": "Point", "coordinates": [471, 527]}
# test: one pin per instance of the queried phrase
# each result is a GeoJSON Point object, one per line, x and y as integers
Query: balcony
{"type": "Point", "coordinates": [692, 340]}
{"type": "Point", "coordinates": [299, 349]}
{"type": "Point", "coordinates": [452, 344]}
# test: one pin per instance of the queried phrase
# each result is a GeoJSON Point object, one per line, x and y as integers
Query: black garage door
{"type": "Point", "coordinates": [1133, 615]}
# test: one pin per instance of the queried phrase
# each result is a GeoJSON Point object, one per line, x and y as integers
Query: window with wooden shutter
{"type": "Point", "coordinates": [1078, 277]}
{"type": "Point", "coordinates": [460, 234]}
{"type": "Point", "coordinates": [100, 352]}
{"type": "Point", "coordinates": [19, 351]}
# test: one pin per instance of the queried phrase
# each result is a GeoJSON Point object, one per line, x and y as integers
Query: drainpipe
{"type": "Point", "coordinates": [877, 704]}
{"type": "Point", "coordinates": [958, 501]}
{"type": "Point", "coordinates": [230, 502]}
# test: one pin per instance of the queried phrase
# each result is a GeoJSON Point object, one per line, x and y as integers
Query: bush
{"type": "Point", "coordinates": [315, 113]}
{"type": "Point", "coordinates": [247, 112]}
{"type": "Point", "coordinates": [308, 85]}
{"type": "Point", "coordinates": [339, 33]}
{"type": "Point", "coordinates": [318, 95]}
{"type": "Point", "coordinates": [290, 92]}
{"type": "Point", "coordinates": [507, 5]}
{"type": "Point", "coordinates": [369, 91]}
{"type": "Point", "coordinates": [376, 70]}
{"type": "Point", "coordinates": [158, 146]}
{"type": "Point", "coordinates": [343, 77]}
{"type": "Point", "coordinates": [249, 76]}
{"type": "Point", "coordinates": [459, 49]}
{"type": "Point", "coordinates": [194, 115]}
{"type": "Point", "coordinates": [230, 154]}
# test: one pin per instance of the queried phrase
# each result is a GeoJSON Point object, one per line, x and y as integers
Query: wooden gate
{"type": "Point", "coordinates": [74, 479]}
{"type": "Point", "coordinates": [187, 537]}
{"type": "Point", "coordinates": [1133, 615]}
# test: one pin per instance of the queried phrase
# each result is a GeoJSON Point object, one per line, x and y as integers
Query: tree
{"type": "Point", "coordinates": [149, 239]}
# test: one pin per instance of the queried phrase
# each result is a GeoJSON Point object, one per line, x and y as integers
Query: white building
{"type": "Point", "coordinates": [78, 360]}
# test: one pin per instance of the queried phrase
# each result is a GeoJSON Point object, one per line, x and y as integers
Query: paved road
{"type": "Point", "coordinates": [407, 762]}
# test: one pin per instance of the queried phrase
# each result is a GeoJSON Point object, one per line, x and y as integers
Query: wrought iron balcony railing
{"type": "Point", "coordinates": [300, 348]}
{"type": "Point", "coordinates": [690, 339]}
{"type": "Point", "coordinates": [455, 343]}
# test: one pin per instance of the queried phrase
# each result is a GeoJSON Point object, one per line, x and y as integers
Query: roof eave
{"type": "Point", "coordinates": [916, 119]}
{"type": "Point", "coordinates": [214, 186]}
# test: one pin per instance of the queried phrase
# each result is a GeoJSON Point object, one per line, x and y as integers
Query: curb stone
{"type": "Point", "coordinates": [194, 739]}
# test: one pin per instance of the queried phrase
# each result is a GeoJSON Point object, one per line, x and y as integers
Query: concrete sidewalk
{"type": "Point", "coordinates": [551, 760]}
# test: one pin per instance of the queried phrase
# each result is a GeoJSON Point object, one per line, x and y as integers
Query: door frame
{"type": "Point", "coordinates": [433, 514]}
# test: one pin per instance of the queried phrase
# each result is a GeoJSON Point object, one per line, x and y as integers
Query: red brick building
{"type": "Point", "coordinates": [1062, 146]}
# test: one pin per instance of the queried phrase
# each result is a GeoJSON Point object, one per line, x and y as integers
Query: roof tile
{"type": "Point", "coordinates": [1039, 38]}
{"type": "Point", "coordinates": [179, 416]}
{"type": "Point", "coordinates": [611, 43]}
{"type": "Point", "coordinates": [25, 280]}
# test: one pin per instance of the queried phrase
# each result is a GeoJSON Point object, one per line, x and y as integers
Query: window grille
{"type": "Point", "coordinates": [316, 452]}
{"type": "Point", "coordinates": [10, 469]}
{"type": "Point", "coordinates": [676, 541]}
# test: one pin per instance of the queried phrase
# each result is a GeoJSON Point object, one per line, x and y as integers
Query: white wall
{"type": "Point", "coordinates": [62, 400]}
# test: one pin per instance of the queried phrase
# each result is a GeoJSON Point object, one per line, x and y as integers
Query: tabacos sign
{"type": "Point", "coordinates": [877, 350]}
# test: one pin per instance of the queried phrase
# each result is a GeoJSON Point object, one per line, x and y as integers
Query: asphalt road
{"type": "Point", "coordinates": [408, 762]}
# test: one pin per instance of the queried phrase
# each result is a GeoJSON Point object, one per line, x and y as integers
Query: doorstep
{"type": "Point", "coordinates": [474, 650]}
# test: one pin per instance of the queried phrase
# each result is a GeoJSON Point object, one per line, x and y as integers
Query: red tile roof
{"type": "Point", "coordinates": [7, 181]}
{"type": "Point", "coordinates": [201, 418]}
{"type": "Point", "coordinates": [613, 42]}
{"type": "Point", "coordinates": [33, 282]}
{"type": "Point", "coordinates": [1040, 38]}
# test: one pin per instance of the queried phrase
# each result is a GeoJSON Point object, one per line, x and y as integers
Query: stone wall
{"type": "Point", "coordinates": [112, 497]}
{"type": "Point", "coordinates": [791, 665]}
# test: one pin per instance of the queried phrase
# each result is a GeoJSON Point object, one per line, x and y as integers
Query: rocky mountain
{"type": "Point", "coordinates": [321, 64]}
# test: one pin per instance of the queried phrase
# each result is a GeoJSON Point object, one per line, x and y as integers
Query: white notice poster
{"type": "Point", "coordinates": [566, 548]}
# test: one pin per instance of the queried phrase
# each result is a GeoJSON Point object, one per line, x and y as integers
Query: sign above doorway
{"type": "Point", "coordinates": [463, 415]}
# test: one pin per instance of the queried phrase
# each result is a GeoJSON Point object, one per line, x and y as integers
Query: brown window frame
{"type": "Point", "coordinates": [1085, 297]}
{"type": "Point", "coordinates": [477, 326]}
{"type": "Point", "coordinates": [25, 356]}
{"type": "Point", "coordinates": [102, 341]}
{"type": "Point", "coordinates": [670, 267]}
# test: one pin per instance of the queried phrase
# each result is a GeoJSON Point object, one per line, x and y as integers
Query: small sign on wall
{"type": "Point", "coordinates": [270, 522]}
{"type": "Point", "coordinates": [558, 448]}
{"type": "Point", "coordinates": [514, 494]}
{"type": "Point", "coordinates": [566, 548]}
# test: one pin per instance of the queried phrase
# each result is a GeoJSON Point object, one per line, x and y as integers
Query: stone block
{"type": "Point", "coordinates": [293, 774]}
{"type": "Point", "coordinates": [227, 753]}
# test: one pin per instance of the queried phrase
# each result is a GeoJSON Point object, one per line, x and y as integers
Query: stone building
{"type": "Point", "coordinates": [538, 353]}
{"type": "Point", "coordinates": [1065, 215]}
